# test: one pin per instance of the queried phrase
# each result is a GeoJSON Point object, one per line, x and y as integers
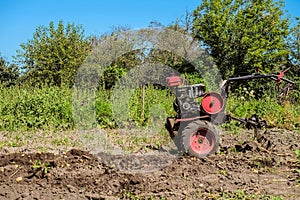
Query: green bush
{"type": "Point", "coordinates": [103, 107]}
{"type": "Point", "coordinates": [158, 104]}
{"type": "Point", "coordinates": [27, 108]}
{"type": "Point", "coordinates": [285, 115]}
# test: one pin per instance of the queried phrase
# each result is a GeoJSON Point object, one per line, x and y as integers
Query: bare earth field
{"type": "Point", "coordinates": [242, 169]}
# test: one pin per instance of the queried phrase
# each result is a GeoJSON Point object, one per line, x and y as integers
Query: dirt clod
{"type": "Point", "coordinates": [240, 165]}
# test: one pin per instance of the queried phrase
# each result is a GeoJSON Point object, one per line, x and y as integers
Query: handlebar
{"type": "Point", "coordinates": [274, 77]}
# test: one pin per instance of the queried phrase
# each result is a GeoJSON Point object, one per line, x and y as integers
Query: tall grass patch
{"type": "Point", "coordinates": [285, 115]}
{"type": "Point", "coordinates": [28, 108]}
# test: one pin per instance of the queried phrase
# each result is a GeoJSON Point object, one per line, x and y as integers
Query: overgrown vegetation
{"type": "Point", "coordinates": [284, 116]}
{"type": "Point", "coordinates": [29, 108]}
{"type": "Point", "coordinates": [53, 55]}
{"type": "Point", "coordinates": [238, 195]}
{"type": "Point", "coordinates": [244, 196]}
{"type": "Point", "coordinates": [240, 36]}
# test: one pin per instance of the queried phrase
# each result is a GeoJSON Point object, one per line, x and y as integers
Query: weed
{"type": "Point", "coordinates": [14, 140]}
{"type": "Point", "coordinates": [39, 165]}
{"type": "Point", "coordinates": [224, 172]}
{"type": "Point", "coordinates": [42, 149]}
{"type": "Point", "coordinates": [298, 181]}
{"type": "Point", "coordinates": [285, 116]}
{"type": "Point", "coordinates": [234, 150]}
{"type": "Point", "coordinates": [241, 195]}
{"type": "Point", "coordinates": [30, 108]}
{"type": "Point", "coordinates": [258, 164]}
{"type": "Point", "coordinates": [3, 143]}
{"type": "Point", "coordinates": [297, 153]}
{"type": "Point", "coordinates": [27, 108]}
{"type": "Point", "coordinates": [130, 195]}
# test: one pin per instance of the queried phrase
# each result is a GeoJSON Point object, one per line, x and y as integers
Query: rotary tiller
{"type": "Point", "coordinates": [193, 128]}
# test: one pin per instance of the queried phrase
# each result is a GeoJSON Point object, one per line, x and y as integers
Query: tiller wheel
{"type": "Point", "coordinates": [200, 138]}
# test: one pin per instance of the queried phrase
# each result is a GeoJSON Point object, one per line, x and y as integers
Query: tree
{"type": "Point", "coordinates": [9, 73]}
{"type": "Point", "coordinates": [115, 53]}
{"type": "Point", "coordinates": [54, 54]}
{"type": "Point", "coordinates": [180, 27]}
{"type": "Point", "coordinates": [243, 35]}
{"type": "Point", "coordinates": [294, 45]}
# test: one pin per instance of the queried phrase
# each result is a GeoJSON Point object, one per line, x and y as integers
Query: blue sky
{"type": "Point", "coordinates": [19, 18]}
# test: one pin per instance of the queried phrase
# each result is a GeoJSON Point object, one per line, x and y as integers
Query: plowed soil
{"type": "Point", "coordinates": [242, 166]}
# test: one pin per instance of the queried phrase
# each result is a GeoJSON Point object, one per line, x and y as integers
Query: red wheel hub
{"type": "Point", "coordinates": [212, 103]}
{"type": "Point", "coordinates": [202, 142]}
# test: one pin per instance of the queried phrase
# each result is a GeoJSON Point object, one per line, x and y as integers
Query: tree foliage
{"type": "Point", "coordinates": [9, 73]}
{"type": "Point", "coordinates": [54, 54]}
{"type": "Point", "coordinates": [243, 35]}
{"type": "Point", "coordinates": [138, 47]}
{"type": "Point", "coordinates": [294, 45]}
{"type": "Point", "coordinates": [114, 53]}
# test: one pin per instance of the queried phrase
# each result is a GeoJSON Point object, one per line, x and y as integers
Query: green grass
{"type": "Point", "coordinates": [283, 116]}
{"type": "Point", "coordinates": [50, 108]}
{"type": "Point", "coordinates": [43, 141]}
{"type": "Point", "coordinates": [241, 195]}
{"type": "Point", "coordinates": [237, 195]}
{"type": "Point", "coordinates": [35, 108]}
{"type": "Point", "coordinates": [41, 165]}
{"type": "Point", "coordinates": [297, 153]}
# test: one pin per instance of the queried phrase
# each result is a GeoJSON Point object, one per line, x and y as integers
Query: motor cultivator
{"type": "Point", "coordinates": [193, 129]}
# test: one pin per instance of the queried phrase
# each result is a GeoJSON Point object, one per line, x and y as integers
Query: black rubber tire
{"type": "Point", "coordinates": [207, 131]}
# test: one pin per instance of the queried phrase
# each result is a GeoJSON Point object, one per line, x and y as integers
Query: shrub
{"type": "Point", "coordinates": [285, 115]}
{"type": "Point", "coordinates": [29, 108]}
{"type": "Point", "coordinates": [26, 108]}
